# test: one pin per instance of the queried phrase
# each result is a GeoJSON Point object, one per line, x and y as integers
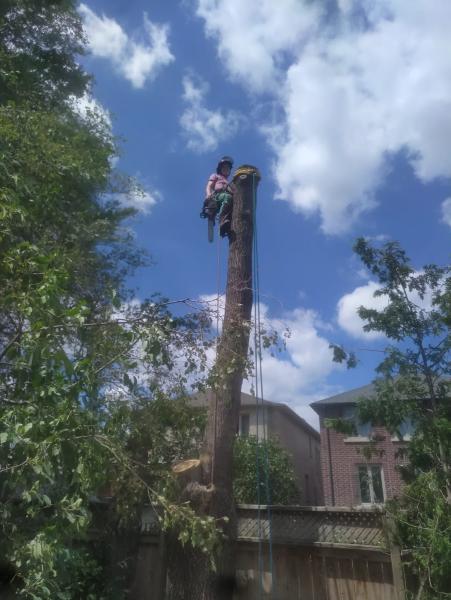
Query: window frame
{"type": "Point", "coordinates": [408, 425]}
{"type": "Point", "coordinates": [369, 475]}
{"type": "Point", "coordinates": [363, 430]}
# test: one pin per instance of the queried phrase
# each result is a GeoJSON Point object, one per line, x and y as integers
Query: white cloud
{"type": "Point", "coordinates": [141, 199]}
{"type": "Point", "coordinates": [308, 357]}
{"type": "Point", "coordinates": [254, 37]}
{"type": "Point", "coordinates": [114, 161]}
{"type": "Point", "coordinates": [144, 201]}
{"type": "Point", "coordinates": [380, 237]}
{"type": "Point", "coordinates": [352, 93]}
{"type": "Point", "coordinates": [214, 304]}
{"type": "Point", "coordinates": [345, 5]}
{"type": "Point", "coordinates": [308, 351]}
{"type": "Point", "coordinates": [135, 60]}
{"type": "Point", "coordinates": [347, 307]}
{"type": "Point", "coordinates": [87, 106]}
{"type": "Point", "coordinates": [202, 127]}
{"type": "Point", "coordinates": [298, 377]}
{"type": "Point", "coordinates": [446, 211]}
{"type": "Point", "coordinates": [106, 37]}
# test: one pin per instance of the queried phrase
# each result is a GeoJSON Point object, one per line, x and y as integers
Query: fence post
{"type": "Point", "coordinates": [395, 557]}
{"type": "Point", "coordinates": [161, 575]}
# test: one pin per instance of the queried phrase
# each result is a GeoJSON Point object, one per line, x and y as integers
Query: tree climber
{"type": "Point", "coordinates": [219, 196]}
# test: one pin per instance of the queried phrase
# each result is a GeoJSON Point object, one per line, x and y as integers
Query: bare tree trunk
{"type": "Point", "coordinates": [190, 575]}
{"type": "Point", "coordinates": [232, 357]}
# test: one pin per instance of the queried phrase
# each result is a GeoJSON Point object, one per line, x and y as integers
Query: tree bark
{"type": "Point", "coordinates": [191, 574]}
{"type": "Point", "coordinates": [232, 357]}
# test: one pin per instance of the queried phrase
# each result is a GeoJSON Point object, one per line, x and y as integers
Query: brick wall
{"type": "Point", "coordinates": [346, 453]}
{"type": "Point", "coordinates": [304, 448]}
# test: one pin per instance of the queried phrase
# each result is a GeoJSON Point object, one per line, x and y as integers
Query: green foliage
{"type": "Point", "coordinates": [57, 571]}
{"type": "Point", "coordinates": [341, 425]}
{"type": "Point", "coordinates": [40, 42]}
{"type": "Point", "coordinates": [414, 384]}
{"type": "Point", "coordinates": [261, 467]}
{"type": "Point", "coordinates": [200, 532]}
{"type": "Point", "coordinates": [423, 518]}
{"type": "Point", "coordinates": [76, 357]}
{"type": "Point", "coordinates": [155, 433]}
{"type": "Point", "coordinates": [340, 355]}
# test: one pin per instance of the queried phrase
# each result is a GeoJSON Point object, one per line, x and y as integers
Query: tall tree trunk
{"type": "Point", "coordinates": [232, 357]}
{"type": "Point", "coordinates": [190, 575]}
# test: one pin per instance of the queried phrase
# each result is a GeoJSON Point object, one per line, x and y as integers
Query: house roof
{"type": "Point", "coordinates": [353, 396]}
{"type": "Point", "coordinates": [349, 397]}
{"type": "Point", "coordinates": [247, 400]}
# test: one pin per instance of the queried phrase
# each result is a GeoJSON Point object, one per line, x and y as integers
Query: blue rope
{"type": "Point", "coordinates": [257, 466]}
{"type": "Point", "coordinates": [257, 453]}
{"type": "Point", "coordinates": [259, 395]}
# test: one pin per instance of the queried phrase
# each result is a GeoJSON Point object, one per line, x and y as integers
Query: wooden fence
{"type": "Point", "coordinates": [318, 553]}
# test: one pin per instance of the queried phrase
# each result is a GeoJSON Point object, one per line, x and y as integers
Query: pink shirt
{"type": "Point", "coordinates": [216, 183]}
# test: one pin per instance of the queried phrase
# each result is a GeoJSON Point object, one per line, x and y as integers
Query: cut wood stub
{"type": "Point", "coordinates": [189, 475]}
{"type": "Point", "coordinates": [244, 171]}
{"type": "Point", "coordinates": [187, 471]}
{"type": "Point", "coordinates": [185, 465]}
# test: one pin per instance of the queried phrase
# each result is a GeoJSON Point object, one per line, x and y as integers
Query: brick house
{"type": "Point", "coordinates": [298, 438]}
{"type": "Point", "coordinates": [349, 477]}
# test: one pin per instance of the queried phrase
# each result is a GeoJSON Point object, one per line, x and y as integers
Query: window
{"type": "Point", "coordinates": [363, 430]}
{"type": "Point", "coordinates": [370, 481]}
{"type": "Point", "coordinates": [310, 446]}
{"type": "Point", "coordinates": [406, 429]}
{"type": "Point", "coordinates": [244, 425]}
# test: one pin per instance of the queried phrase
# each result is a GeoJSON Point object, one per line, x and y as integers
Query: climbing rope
{"type": "Point", "coordinates": [257, 449]}
{"type": "Point", "coordinates": [218, 286]}
{"type": "Point", "coordinates": [259, 389]}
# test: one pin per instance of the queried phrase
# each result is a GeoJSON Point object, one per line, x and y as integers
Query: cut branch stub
{"type": "Point", "coordinates": [187, 471]}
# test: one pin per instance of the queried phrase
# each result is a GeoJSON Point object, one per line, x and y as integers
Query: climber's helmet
{"type": "Point", "coordinates": [225, 160]}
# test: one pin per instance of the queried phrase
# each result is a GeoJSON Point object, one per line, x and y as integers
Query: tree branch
{"type": "Point", "coordinates": [10, 343]}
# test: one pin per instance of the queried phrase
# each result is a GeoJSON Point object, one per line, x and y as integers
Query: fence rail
{"type": "Point", "coordinates": [313, 525]}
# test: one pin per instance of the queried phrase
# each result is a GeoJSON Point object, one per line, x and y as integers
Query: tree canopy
{"type": "Point", "coordinates": [414, 385]}
{"type": "Point", "coordinates": [39, 49]}
{"type": "Point", "coordinates": [83, 365]}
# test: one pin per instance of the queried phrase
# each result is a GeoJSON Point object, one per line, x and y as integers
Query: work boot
{"type": "Point", "coordinates": [224, 227]}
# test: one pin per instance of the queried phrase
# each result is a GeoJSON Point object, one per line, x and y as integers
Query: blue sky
{"type": "Point", "coordinates": [344, 106]}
